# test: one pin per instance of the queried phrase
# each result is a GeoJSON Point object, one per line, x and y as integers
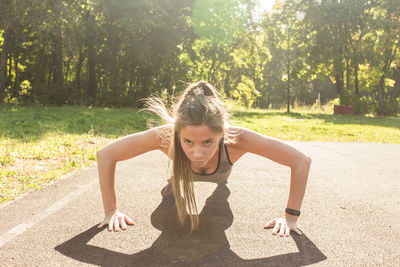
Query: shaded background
{"type": "Point", "coordinates": [112, 53]}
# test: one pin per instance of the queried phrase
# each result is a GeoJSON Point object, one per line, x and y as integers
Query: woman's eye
{"type": "Point", "coordinates": [208, 142]}
{"type": "Point", "coordinates": [187, 142]}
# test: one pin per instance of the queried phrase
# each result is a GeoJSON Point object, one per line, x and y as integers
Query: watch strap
{"type": "Point", "coordinates": [292, 211]}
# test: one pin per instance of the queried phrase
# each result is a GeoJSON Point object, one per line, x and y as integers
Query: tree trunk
{"type": "Point", "coordinates": [357, 92]}
{"type": "Point", "coordinates": [79, 68]}
{"type": "Point", "coordinates": [9, 63]}
{"type": "Point", "coordinates": [16, 70]}
{"type": "Point", "coordinates": [67, 71]}
{"type": "Point", "coordinates": [389, 55]}
{"type": "Point", "coordinates": [57, 85]}
{"type": "Point", "coordinates": [49, 79]}
{"type": "Point", "coordinates": [3, 62]}
{"type": "Point", "coordinates": [114, 64]}
{"type": "Point", "coordinates": [347, 74]}
{"type": "Point", "coordinates": [9, 76]}
{"type": "Point", "coordinates": [226, 84]}
{"type": "Point", "coordinates": [339, 83]}
{"type": "Point", "coordinates": [210, 71]}
{"type": "Point", "coordinates": [91, 89]}
{"type": "Point", "coordinates": [381, 88]}
{"type": "Point", "coordinates": [396, 89]}
{"type": "Point", "coordinates": [131, 78]}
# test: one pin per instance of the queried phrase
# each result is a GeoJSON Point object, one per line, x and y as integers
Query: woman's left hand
{"type": "Point", "coordinates": [284, 225]}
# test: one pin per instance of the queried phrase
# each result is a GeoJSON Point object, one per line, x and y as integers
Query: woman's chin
{"type": "Point", "coordinates": [199, 163]}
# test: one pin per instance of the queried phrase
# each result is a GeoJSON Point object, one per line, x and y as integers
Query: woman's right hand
{"type": "Point", "coordinates": [114, 219]}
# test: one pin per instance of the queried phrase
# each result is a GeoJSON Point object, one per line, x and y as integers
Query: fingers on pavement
{"type": "Point", "coordinates": [116, 224]}
{"type": "Point", "coordinates": [270, 224]}
{"type": "Point", "coordinates": [283, 229]}
{"type": "Point", "coordinates": [129, 220]}
{"type": "Point", "coordinates": [122, 223]}
{"type": "Point", "coordinates": [276, 228]}
{"type": "Point", "coordinates": [287, 232]}
{"type": "Point", "coordinates": [100, 225]}
{"type": "Point", "coordinates": [110, 225]}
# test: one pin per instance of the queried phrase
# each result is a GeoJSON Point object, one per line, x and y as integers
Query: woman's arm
{"type": "Point", "coordinates": [122, 149]}
{"type": "Point", "coordinates": [282, 153]}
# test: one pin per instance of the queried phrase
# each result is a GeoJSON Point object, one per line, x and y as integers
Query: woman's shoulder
{"type": "Point", "coordinates": [243, 139]}
{"type": "Point", "coordinates": [164, 135]}
{"type": "Point", "coordinates": [232, 140]}
{"type": "Point", "coordinates": [230, 127]}
{"type": "Point", "coordinates": [166, 128]}
{"type": "Point", "coordinates": [164, 131]}
{"type": "Point", "coordinates": [233, 134]}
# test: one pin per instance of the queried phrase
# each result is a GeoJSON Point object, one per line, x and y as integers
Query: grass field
{"type": "Point", "coordinates": [324, 127]}
{"type": "Point", "coordinates": [40, 144]}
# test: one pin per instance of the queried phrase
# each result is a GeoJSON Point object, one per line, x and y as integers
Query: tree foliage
{"type": "Point", "coordinates": [113, 53]}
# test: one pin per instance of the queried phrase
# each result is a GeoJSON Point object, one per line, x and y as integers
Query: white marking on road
{"type": "Point", "coordinates": [23, 227]}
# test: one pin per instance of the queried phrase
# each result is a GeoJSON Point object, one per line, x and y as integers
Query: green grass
{"type": "Point", "coordinates": [313, 126]}
{"type": "Point", "coordinates": [39, 144]}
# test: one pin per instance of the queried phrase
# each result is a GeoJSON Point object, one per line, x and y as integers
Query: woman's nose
{"type": "Point", "coordinates": [197, 153]}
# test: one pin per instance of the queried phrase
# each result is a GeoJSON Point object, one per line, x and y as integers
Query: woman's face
{"type": "Point", "coordinates": [199, 143]}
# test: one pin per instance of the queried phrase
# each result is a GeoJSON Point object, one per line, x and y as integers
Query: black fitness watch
{"type": "Point", "coordinates": [292, 212]}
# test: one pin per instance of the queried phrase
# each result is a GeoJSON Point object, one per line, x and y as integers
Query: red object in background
{"type": "Point", "coordinates": [342, 109]}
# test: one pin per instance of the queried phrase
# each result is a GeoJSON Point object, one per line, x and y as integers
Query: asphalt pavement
{"type": "Point", "coordinates": [350, 215]}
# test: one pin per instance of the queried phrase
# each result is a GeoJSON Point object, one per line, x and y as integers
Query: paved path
{"type": "Point", "coordinates": [350, 215]}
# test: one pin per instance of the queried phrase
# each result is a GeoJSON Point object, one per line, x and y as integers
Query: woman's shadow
{"type": "Point", "coordinates": [208, 244]}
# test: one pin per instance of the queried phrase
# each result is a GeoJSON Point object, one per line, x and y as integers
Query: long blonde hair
{"type": "Point", "coordinates": [199, 104]}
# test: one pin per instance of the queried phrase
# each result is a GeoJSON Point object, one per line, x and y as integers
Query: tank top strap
{"type": "Point", "coordinates": [224, 153]}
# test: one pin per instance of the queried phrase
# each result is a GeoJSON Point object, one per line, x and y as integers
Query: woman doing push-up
{"type": "Point", "coordinates": [202, 146]}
